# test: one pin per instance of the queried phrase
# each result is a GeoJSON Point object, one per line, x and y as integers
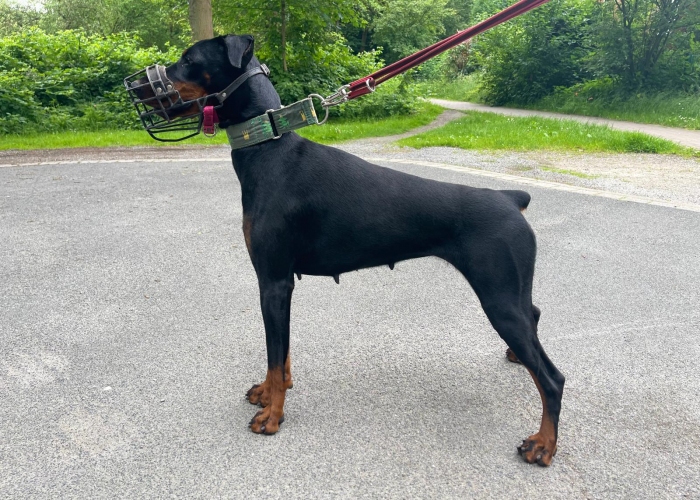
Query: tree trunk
{"type": "Point", "coordinates": [628, 11]}
{"type": "Point", "coordinates": [283, 14]}
{"type": "Point", "coordinates": [201, 19]}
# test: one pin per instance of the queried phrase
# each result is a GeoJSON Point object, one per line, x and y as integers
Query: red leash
{"type": "Point", "coordinates": [368, 83]}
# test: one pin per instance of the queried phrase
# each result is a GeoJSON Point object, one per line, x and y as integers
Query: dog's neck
{"type": "Point", "coordinates": [253, 98]}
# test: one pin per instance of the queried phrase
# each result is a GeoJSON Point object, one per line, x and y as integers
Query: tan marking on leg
{"type": "Point", "coordinates": [540, 447]}
{"type": "Point", "coordinates": [260, 394]}
{"type": "Point", "coordinates": [288, 383]}
{"type": "Point", "coordinates": [511, 356]}
{"type": "Point", "coordinates": [268, 420]}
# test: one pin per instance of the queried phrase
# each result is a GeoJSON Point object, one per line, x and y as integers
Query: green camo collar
{"type": "Point", "coordinates": [262, 128]}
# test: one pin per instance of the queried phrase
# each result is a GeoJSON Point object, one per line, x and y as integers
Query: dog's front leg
{"type": "Point", "coordinates": [275, 300]}
{"type": "Point", "coordinates": [259, 394]}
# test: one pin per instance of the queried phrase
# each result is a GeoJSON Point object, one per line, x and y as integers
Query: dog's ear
{"type": "Point", "coordinates": [240, 49]}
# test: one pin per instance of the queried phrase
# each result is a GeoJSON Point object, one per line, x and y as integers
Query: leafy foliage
{"type": "Point", "coordinates": [281, 26]}
{"type": "Point", "coordinates": [617, 48]}
{"type": "Point", "coordinates": [650, 44]}
{"type": "Point", "coordinates": [61, 65]}
{"type": "Point", "coordinates": [14, 17]}
{"type": "Point", "coordinates": [315, 58]}
{"type": "Point", "coordinates": [397, 31]}
{"type": "Point", "coordinates": [157, 22]}
{"type": "Point", "coordinates": [68, 80]}
{"type": "Point", "coordinates": [527, 58]}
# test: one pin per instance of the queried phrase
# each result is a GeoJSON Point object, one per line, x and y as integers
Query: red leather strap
{"type": "Point", "coordinates": [360, 87]}
{"type": "Point", "coordinates": [209, 121]}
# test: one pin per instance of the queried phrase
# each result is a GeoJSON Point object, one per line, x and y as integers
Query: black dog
{"type": "Point", "coordinates": [312, 209]}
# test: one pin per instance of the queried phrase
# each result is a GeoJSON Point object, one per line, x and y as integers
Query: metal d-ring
{"type": "Point", "coordinates": [323, 105]}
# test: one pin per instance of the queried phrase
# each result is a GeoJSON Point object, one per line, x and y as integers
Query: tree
{"type": "Point", "coordinates": [404, 26]}
{"type": "Point", "coordinates": [14, 17]}
{"type": "Point", "coordinates": [526, 58]}
{"type": "Point", "coordinates": [640, 40]}
{"type": "Point", "coordinates": [462, 16]}
{"type": "Point", "coordinates": [201, 19]}
{"type": "Point", "coordinates": [279, 26]}
{"type": "Point", "coordinates": [157, 22]}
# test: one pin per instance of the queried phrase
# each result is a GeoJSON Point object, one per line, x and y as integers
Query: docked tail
{"type": "Point", "coordinates": [520, 198]}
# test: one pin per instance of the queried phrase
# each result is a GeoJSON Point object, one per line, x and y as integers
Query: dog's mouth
{"type": "Point", "coordinates": [169, 111]}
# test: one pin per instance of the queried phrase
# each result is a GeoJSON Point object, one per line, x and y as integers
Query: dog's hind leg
{"type": "Point", "coordinates": [510, 355]}
{"type": "Point", "coordinates": [517, 327]}
{"type": "Point", "coordinates": [501, 275]}
{"type": "Point", "coordinates": [275, 300]}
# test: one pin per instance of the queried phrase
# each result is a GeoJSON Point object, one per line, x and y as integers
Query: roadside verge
{"type": "Point", "coordinates": [688, 138]}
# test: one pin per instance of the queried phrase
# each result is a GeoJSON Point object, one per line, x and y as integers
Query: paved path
{"type": "Point", "coordinates": [130, 330]}
{"type": "Point", "coordinates": [689, 138]}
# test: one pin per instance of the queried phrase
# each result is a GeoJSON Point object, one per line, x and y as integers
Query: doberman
{"type": "Point", "coordinates": [312, 209]}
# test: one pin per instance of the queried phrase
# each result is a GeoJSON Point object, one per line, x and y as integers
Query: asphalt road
{"type": "Point", "coordinates": [130, 330]}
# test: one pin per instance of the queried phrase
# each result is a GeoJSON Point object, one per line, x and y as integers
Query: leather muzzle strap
{"type": "Point", "coordinates": [221, 96]}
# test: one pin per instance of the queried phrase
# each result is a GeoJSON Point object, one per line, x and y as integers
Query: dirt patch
{"type": "Point", "coordinates": [667, 177]}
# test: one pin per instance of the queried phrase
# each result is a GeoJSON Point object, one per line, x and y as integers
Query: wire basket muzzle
{"type": "Point", "coordinates": [158, 104]}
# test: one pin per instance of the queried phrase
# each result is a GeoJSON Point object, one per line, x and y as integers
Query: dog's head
{"type": "Point", "coordinates": [205, 68]}
{"type": "Point", "coordinates": [165, 96]}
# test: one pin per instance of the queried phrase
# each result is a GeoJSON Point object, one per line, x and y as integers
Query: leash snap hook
{"type": "Point", "coordinates": [338, 97]}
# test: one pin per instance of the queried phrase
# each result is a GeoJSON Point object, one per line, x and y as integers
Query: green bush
{"type": "Point", "coordinates": [392, 98]}
{"type": "Point", "coordinates": [73, 81]}
{"type": "Point", "coordinates": [332, 65]}
{"type": "Point", "coordinates": [69, 80]}
{"type": "Point", "coordinates": [528, 57]}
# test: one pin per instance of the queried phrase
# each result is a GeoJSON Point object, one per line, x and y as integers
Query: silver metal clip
{"type": "Point", "coordinates": [338, 97]}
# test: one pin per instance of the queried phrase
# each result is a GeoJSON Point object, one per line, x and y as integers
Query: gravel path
{"type": "Point", "coordinates": [663, 177]}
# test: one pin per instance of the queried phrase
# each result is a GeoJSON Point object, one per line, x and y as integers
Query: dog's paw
{"type": "Point", "coordinates": [266, 422]}
{"type": "Point", "coordinates": [259, 394]}
{"type": "Point", "coordinates": [536, 449]}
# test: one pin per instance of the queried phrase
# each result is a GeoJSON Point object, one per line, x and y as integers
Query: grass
{"type": "Point", "coordinates": [670, 109]}
{"type": "Point", "coordinates": [339, 129]}
{"type": "Point", "coordinates": [565, 171]}
{"type": "Point", "coordinates": [494, 132]}
{"type": "Point", "coordinates": [673, 110]}
{"type": "Point", "coordinates": [335, 130]}
{"type": "Point", "coordinates": [462, 88]}
{"type": "Point", "coordinates": [96, 139]}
